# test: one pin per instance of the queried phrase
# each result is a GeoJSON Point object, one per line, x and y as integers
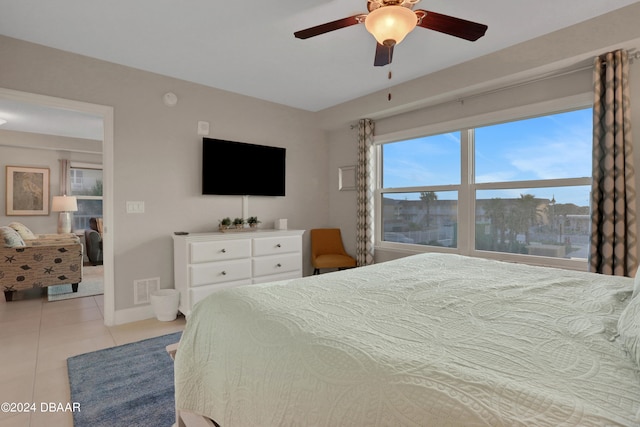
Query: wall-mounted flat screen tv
{"type": "Point", "coordinates": [242, 169]}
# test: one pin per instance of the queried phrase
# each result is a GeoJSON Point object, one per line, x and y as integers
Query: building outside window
{"type": "Point", "coordinates": [86, 185]}
{"type": "Point", "coordinates": [520, 187]}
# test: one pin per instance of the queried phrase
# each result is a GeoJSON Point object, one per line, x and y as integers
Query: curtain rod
{"type": "Point", "coordinates": [537, 79]}
{"type": "Point", "coordinates": [632, 53]}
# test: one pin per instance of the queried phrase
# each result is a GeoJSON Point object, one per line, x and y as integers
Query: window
{"type": "Point", "coordinates": [520, 188]}
{"type": "Point", "coordinates": [86, 185]}
{"type": "Point", "coordinates": [417, 212]}
{"type": "Point", "coordinates": [76, 178]}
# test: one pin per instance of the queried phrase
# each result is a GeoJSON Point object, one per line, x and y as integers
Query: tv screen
{"type": "Point", "coordinates": [242, 169]}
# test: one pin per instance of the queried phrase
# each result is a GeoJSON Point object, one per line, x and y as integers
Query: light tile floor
{"type": "Point", "coordinates": [37, 337]}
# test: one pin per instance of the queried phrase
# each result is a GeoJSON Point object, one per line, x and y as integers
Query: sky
{"type": "Point", "coordinates": [547, 147]}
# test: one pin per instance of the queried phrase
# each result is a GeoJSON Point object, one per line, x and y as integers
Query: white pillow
{"type": "Point", "coordinates": [10, 237]}
{"type": "Point", "coordinates": [23, 230]}
{"type": "Point", "coordinates": [629, 329]}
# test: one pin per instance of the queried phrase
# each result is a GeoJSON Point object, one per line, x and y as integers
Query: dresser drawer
{"type": "Point", "coordinates": [276, 264]}
{"type": "Point", "coordinates": [217, 272]}
{"type": "Point", "coordinates": [276, 245]}
{"type": "Point", "coordinates": [219, 251]}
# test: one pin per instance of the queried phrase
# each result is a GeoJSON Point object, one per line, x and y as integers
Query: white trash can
{"type": "Point", "coordinates": [165, 304]}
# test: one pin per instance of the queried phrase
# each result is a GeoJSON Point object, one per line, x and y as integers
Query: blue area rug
{"type": "Point", "coordinates": [128, 385]}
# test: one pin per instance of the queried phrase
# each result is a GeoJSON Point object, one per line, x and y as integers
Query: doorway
{"type": "Point", "coordinates": [76, 110]}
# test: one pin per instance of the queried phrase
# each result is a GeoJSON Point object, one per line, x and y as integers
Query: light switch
{"type": "Point", "coordinates": [135, 207]}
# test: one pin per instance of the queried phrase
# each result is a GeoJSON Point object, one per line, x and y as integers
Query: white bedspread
{"type": "Point", "coordinates": [428, 340]}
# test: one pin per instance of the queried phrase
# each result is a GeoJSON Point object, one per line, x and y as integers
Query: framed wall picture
{"type": "Point", "coordinates": [27, 191]}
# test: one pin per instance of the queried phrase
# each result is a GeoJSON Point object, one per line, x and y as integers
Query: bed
{"type": "Point", "coordinates": [426, 340]}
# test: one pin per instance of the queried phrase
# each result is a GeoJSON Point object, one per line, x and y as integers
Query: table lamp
{"type": "Point", "coordinates": [65, 205]}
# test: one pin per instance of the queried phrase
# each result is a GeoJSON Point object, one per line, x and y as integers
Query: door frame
{"type": "Point", "coordinates": [106, 112]}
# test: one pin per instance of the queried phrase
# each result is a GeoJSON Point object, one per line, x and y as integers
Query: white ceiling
{"type": "Point", "coordinates": [249, 48]}
{"type": "Point", "coordinates": [28, 117]}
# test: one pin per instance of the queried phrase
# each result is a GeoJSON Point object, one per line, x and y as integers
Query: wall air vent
{"type": "Point", "coordinates": [143, 288]}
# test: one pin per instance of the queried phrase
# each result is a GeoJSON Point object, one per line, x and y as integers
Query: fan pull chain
{"type": "Point", "coordinates": [389, 95]}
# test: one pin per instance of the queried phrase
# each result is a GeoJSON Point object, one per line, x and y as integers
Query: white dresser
{"type": "Point", "coordinates": [207, 262]}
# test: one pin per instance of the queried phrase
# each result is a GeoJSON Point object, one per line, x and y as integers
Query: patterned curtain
{"type": "Point", "coordinates": [65, 170]}
{"type": "Point", "coordinates": [365, 185]}
{"type": "Point", "coordinates": [613, 217]}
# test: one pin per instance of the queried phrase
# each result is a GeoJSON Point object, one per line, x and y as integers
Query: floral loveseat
{"type": "Point", "coordinates": [30, 260]}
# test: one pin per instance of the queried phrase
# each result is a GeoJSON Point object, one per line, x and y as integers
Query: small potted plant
{"type": "Point", "coordinates": [238, 222]}
{"type": "Point", "coordinates": [225, 223]}
{"type": "Point", "coordinates": [253, 221]}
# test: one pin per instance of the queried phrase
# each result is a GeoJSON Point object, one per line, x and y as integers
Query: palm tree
{"type": "Point", "coordinates": [494, 210]}
{"type": "Point", "coordinates": [428, 197]}
{"type": "Point", "coordinates": [528, 212]}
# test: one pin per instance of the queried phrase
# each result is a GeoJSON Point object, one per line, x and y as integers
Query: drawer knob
{"type": "Point", "coordinates": [278, 245]}
{"type": "Point", "coordinates": [224, 273]}
{"type": "Point", "coordinates": [278, 265]}
{"type": "Point", "coordinates": [224, 251]}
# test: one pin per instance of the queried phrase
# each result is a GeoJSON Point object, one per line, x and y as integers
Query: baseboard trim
{"type": "Point", "coordinates": [133, 314]}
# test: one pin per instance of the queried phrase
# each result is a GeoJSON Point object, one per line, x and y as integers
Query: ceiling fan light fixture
{"type": "Point", "coordinates": [390, 24]}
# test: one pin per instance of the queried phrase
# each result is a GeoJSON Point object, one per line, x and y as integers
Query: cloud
{"type": "Point", "coordinates": [549, 147]}
{"type": "Point", "coordinates": [546, 158]}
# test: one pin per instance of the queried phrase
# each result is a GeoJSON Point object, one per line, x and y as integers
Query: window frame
{"type": "Point", "coordinates": [84, 165]}
{"type": "Point", "coordinates": [467, 187]}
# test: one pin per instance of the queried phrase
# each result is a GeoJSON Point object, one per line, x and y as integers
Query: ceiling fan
{"type": "Point", "coordinates": [389, 21]}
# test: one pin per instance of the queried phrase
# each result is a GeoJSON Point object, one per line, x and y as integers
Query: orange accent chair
{"type": "Point", "coordinates": [327, 250]}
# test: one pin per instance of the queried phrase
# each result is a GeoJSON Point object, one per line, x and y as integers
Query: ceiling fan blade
{"type": "Point", "coordinates": [457, 27]}
{"type": "Point", "coordinates": [325, 28]}
{"type": "Point", "coordinates": [384, 55]}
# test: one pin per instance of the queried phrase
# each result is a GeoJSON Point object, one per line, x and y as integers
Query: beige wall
{"type": "Point", "coordinates": [157, 153]}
